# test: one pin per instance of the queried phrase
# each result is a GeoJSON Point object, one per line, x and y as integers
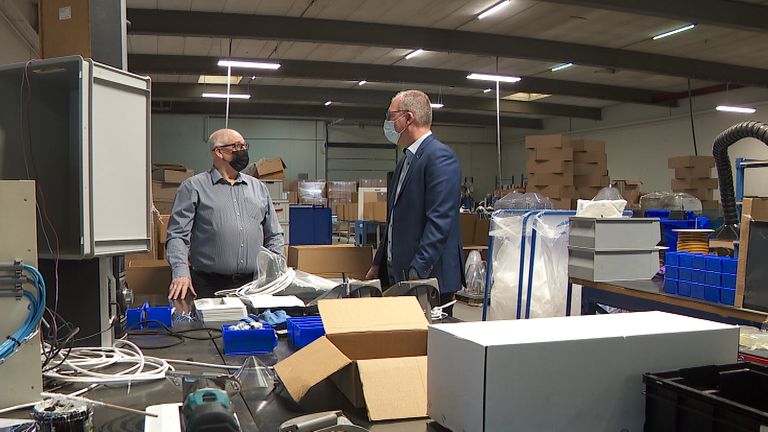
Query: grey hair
{"type": "Point", "coordinates": [418, 103]}
{"type": "Point", "coordinates": [220, 137]}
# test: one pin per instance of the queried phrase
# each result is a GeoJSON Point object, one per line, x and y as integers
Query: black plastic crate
{"type": "Point", "coordinates": [727, 398]}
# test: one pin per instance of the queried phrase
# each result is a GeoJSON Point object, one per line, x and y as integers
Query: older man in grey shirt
{"type": "Point", "coordinates": [220, 221]}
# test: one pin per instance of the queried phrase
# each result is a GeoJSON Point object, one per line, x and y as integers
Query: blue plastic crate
{"type": "Point", "coordinates": [727, 296]}
{"type": "Point", "coordinates": [685, 260]}
{"type": "Point", "coordinates": [700, 262]}
{"type": "Point", "coordinates": [671, 272]}
{"type": "Point", "coordinates": [133, 317]}
{"type": "Point", "coordinates": [698, 291]}
{"type": "Point", "coordinates": [148, 313]}
{"type": "Point", "coordinates": [671, 259]}
{"type": "Point", "coordinates": [684, 288]}
{"type": "Point", "coordinates": [714, 263]}
{"type": "Point", "coordinates": [685, 274]}
{"type": "Point", "coordinates": [712, 278]}
{"type": "Point", "coordinates": [712, 293]}
{"type": "Point", "coordinates": [730, 265]}
{"type": "Point", "coordinates": [699, 276]}
{"type": "Point", "coordinates": [249, 341]}
{"type": "Point", "coordinates": [670, 285]}
{"type": "Point", "coordinates": [729, 281]}
{"type": "Point", "coordinates": [304, 330]}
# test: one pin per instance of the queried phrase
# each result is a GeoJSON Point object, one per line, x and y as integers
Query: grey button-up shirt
{"type": "Point", "coordinates": [220, 228]}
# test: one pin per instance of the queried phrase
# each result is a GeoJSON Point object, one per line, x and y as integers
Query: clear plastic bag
{"type": "Point", "coordinates": [524, 201]}
{"type": "Point", "coordinates": [608, 193]}
{"type": "Point", "coordinates": [474, 269]}
{"type": "Point", "coordinates": [680, 201]}
{"type": "Point", "coordinates": [652, 201]}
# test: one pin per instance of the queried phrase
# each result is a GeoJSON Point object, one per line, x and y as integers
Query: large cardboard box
{"type": "Point", "coordinates": [691, 161]}
{"type": "Point", "coordinates": [631, 191]}
{"type": "Point", "coordinates": [482, 229]}
{"type": "Point", "coordinates": [588, 145]}
{"type": "Point", "coordinates": [375, 211]}
{"type": "Point", "coordinates": [377, 346]}
{"type": "Point", "coordinates": [162, 191]}
{"type": "Point", "coordinates": [752, 209]}
{"type": "Point", "coordinates": [163, 206]}
{"type": "Point", "coordinates": [551, 179]}
{"type": "Point", "coordinates": [693, 172]}
{"type": "Point", "coordinates": [468, 223]}
{"type": "Point", "coordinates": [588, 192]}
{"type": "Point", "coordinates": [65, 28]}
{"type": "Point", "coordinates": [350, 212]}
{"type": "Point", "coordinates": [547, 141]}
{"type": "Point", "coordinates": [550, 154]}
{"type": "Point", "coordinates": [372, 183]}
{"type": "Point", "coordinates": [331, 260]}
{"type": "Point", "coordinates": [595, 178]}
{"type": "Point", "coordinates": [270, 169]}
{"type": "Point", "coordinates": [148, 277]}
{"type": "Point", "coordinates": [563, 203]}
{"type": "Point", "coordinates": [576, 374]}
{"type": "Point", "coordinates": [555, 191]}
{"type": "Point", "coordinates": [589, 168]}
{"type": "Point", "coordinates": [694, 183]}
{"type": "Point", "coordinates": [171, 173]}
{"type": "Point", "coordinates": [590, 158]}
{"type": "Point", "coordinates": [549, 166]}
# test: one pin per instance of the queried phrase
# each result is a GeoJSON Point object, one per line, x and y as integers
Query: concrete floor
{"type": "Point", "coordinates": [466, 312]}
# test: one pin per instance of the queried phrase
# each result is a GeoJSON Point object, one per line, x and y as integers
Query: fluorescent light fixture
{"type": "Point", "coordinates": [493, 9]}
{"type": "Point", "coordinates": [362, 82]}
{"type": "Point", "coordinates": [218, 79]}
{"type": "Point", "coordinates": [526, 97]}
{"type": "Point", "coordinates": [224, 95]}
{"type": "Point", "coordinates": [676, 31]}
{"type": "Point", "coordinates": [488, 77]}
{"type": "Point", "coordinates": [248, 64]}
{"type": "Point", "coordinates": [436, 105]}
{"type": "Point", "coordinates": [328, 103]}
{"type": "Point", "coordinates": [487, 90]}
{"type": "Point", "coordinates": [735, 109]}
{"type": "Point", "coordinates": [560, 67]}
{"type": "Point", "coordinates": [414, 53]}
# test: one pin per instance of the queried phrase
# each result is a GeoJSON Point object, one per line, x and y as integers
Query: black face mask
{"type": "Point", "coordinates": [239, 160]}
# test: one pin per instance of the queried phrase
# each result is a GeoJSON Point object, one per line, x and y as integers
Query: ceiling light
{"type": "Point", "coordinates": [436, 105]}
{"type": "Point", "coordinates": [328, 103]}
{"type": "Point", "coordinates": [526, 97]}
{"type": "Point", "coordinates": [487, 90]}
{"type": "Point", "coordinates": [493, 9]}
{"type": "Point", "coordinates": [218, 79]}
{"type": "Point", "coordinates": [488, 77]}
{"type": "Point", "coordinates": [561, 67]}
{"type": "Point", "coordinates": [735, 109]}
{"type": "Point", "coordinates": [414, 53]}
{"type": "Point", "coordinates": [670, 33]}
{"type": "Point", "coordinates": [248, 64]}
{"type": "Point", "coordinates": [363, 82]}
{"type": "Point", "coordinates": [224, 95]}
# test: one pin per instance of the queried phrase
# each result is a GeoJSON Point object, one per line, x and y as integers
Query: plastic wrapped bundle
{"type": "Point", "coordinates": [523, 201]}
{"type": "Point", "coordinates": [474, 269]}
{"type": "Point", "coordinates": [680, 201]}
{"type": "Point", "coordinates": [652, 201]}
{"type": "Point", "coordinates": [311, 189]}
{"type": "Point", "coordinates": [608, 193]}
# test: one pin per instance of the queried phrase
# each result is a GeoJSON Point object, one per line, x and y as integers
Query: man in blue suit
{"type": "Point", "coordinates": [423, 237]}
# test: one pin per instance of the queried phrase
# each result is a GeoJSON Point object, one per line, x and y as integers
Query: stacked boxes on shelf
{"type": "Point", "coordinates": [550, 169]}
{"type": "Point", "coordinates": [693, 175]}
{"type": "Point", "coordinates": [590, 167]}
{"type": "Point", "coordinates": [704, 277]}
{"type": "Point", "coordinates": [342, 195]}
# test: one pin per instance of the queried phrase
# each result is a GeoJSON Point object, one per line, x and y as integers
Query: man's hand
{"type": "Point", "coordinates": [179, 288]}
{"type": "Point", "coordinates": [373, 273]}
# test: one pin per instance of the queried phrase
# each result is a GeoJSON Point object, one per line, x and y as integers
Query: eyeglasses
{"type": "Point", "coordinates": [235, 146]}
{"type": "Point", "coordinates": [391, 115]}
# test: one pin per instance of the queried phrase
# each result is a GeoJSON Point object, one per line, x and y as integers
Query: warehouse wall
{"type": "Point", "coordinates": [641, 138]}
{"type": "Point", "coordinates": [14, 47]}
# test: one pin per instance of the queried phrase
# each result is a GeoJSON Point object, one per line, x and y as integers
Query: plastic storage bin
{"type": "Point", "coordinates": [712, 293]}
{"type": "Point", "coordinates": [685, 274]}
{"type": "Point", "coordinates": [728, 398]}
{"type": "Point", "coordinates": [697, 291]}
{"type": "Point", "coordinates": [248, 341]}
{"type": "Point", "coordinates": [148, 313]}
{"type": "Point", "coordinates": [672, 272]}
{"type": "Point", "coordinates": [684, 288]}
{"type": "Point", "coordinates": [304, 330]}
{"type": "Point", "coordinates": [614, 233]}
{"type": "Point", "coordinates": [729, 281]}
{"type": "Point", "coordinates": [727, 296]}
{"type": "Point", "coordinates": [670, 285]}
{"type": "Point", "coordinates": [605, 266]}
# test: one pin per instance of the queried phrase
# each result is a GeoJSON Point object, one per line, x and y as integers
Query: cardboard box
{"type": "Point", "coordinates": [375, 211]}
{"type": "Point", "coordinates": [595, 178]}
{"type": "Point", "coordinates": [589, 168]}
{"type": "Point", "coordinates": [590, 158]}
{"type": "Point", "coordinates": [148, 276]}
{"type": "Point", "coordinates": [752, 209]}
{"type": "Point", "coordinates": [588, 192]}
{"type": "Point", "coordinates": [350, 212]}
{"type": "Point", "coordinates": [293, 197]}
{"type": "Point", "coordinates": [631, 190]}
{"type": "Point", "coordinates": [482, 228]}
{"type": "Point", "coordinates": [563, 203]}
{"type": "Point", "coordinates": [555, 191]}
{"type": "Point", "coordinates": [369, 197]}
{"type": "Point", "coordinates": [550, 154]}
{"type": "Point", "coordinates": [701, 183]}
{"type": "Point", "coordinates": [550, 166]}
{"type": "Point", "coordinates": [163, 206]}
{"type": "Point", "coordinates": [547, 141]}
{"type": "Point", "coordinates": [65, 28]}
{"type": "Point", "coordinates": [171, 173]}
{"type": "Point", "coordinates": [551, 179]}
{"type": "Point", "coordinates": [163, 191]}
{"type": "Point", "coordinates": [587, 145]}
{"type": "Point", "coordinates": [693, 172]}
{"type": "Point", "coordinates": [691, 162]}
{"type": "Point", "coordinates": [467, 223]}
{"type": "Point", "coordinates": [575, 374]}
{"type": "Point", "coordinates": [377, 346]}
{"type": "Point", "coordinates": [270, 169]}
{"type": "Point", "coordinates": [291, 185]}
{"type": "Point", "coordinates": [331, 260]}
{"type": "Point", "coordinates": [372, 183]}
{"type": "Point", "coordinates": [710, 204]}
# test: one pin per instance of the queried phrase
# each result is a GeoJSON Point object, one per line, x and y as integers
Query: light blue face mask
{"type": "Point", "coordinates": [390, 132]}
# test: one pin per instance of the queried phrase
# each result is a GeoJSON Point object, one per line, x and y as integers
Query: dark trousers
{"type": "Point", "coordinates": [206, 284]}
{"type": "Point", "coordinates": [446, 298]}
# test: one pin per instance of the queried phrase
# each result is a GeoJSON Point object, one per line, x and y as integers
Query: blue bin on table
{"type": "Point", "coordinates": [248, 341]}
{"type": "Point", "coordinates": [304, 330]}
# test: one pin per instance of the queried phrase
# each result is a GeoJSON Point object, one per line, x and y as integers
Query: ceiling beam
{"type": "Point", "coordinates": [240, 26]}
{"type": "Point", "coordinates": [722, 13]}
{"type": "Point", "coordinates": [165, 64]}
{"type": "Point", "coordinates": [372, 98]}
{"type": "Point", "coordinates": [242, 108]}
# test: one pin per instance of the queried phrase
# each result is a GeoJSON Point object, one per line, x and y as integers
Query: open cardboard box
{"type": "Point", "coordinates": [374, 349]}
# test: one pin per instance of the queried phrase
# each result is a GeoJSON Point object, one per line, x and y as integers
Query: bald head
{"type": "Point", "coordinates": [418, 103]}
{"type": "Point", "coordinates": [224, 137]}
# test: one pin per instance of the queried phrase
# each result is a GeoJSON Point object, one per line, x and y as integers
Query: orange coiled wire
{"type": "Point", "coordinates": [693, 241]}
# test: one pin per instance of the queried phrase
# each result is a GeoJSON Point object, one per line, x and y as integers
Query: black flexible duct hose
{"type": "Point", "coordinates": [750, 129]}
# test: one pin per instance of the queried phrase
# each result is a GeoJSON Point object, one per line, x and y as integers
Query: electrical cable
{"type": "Point", "coordinates": [179, 335]}
{"type": "Point", "coordinates": [32, 322]}
{"type": "Point", "coordinates": [31, 404]}
{"type": "Point", "coordinates": [693, 241]}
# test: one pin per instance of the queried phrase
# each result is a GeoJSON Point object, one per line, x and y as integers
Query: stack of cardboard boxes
{"type": "Point", "coordinates": [148, 274]}
{"type": "Point", "coordinates": [342, 198]}
{"type": "Point", "coordinates": [590, 167]}
{"type": "Point", "coordinates": [550, 169]}
{"type": "Point", "coordinates": [693, 175]}
{"type": "Point", "coordinates": [374, 203]}
{"type": "Point", "coordinates": [166, 179]}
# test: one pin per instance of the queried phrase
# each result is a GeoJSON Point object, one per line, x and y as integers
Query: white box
{"type": "Point", "coordinates": [562, 374]}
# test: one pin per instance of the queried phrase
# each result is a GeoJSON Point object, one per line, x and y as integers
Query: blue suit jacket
{"type": "Point", "coordinates": [426, 236]}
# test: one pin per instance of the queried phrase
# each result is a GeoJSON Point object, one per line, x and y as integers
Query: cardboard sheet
{"type": "Point", "coordinates": [310, 365]}
{"type": "Point", "coordinates": [395, 388]}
